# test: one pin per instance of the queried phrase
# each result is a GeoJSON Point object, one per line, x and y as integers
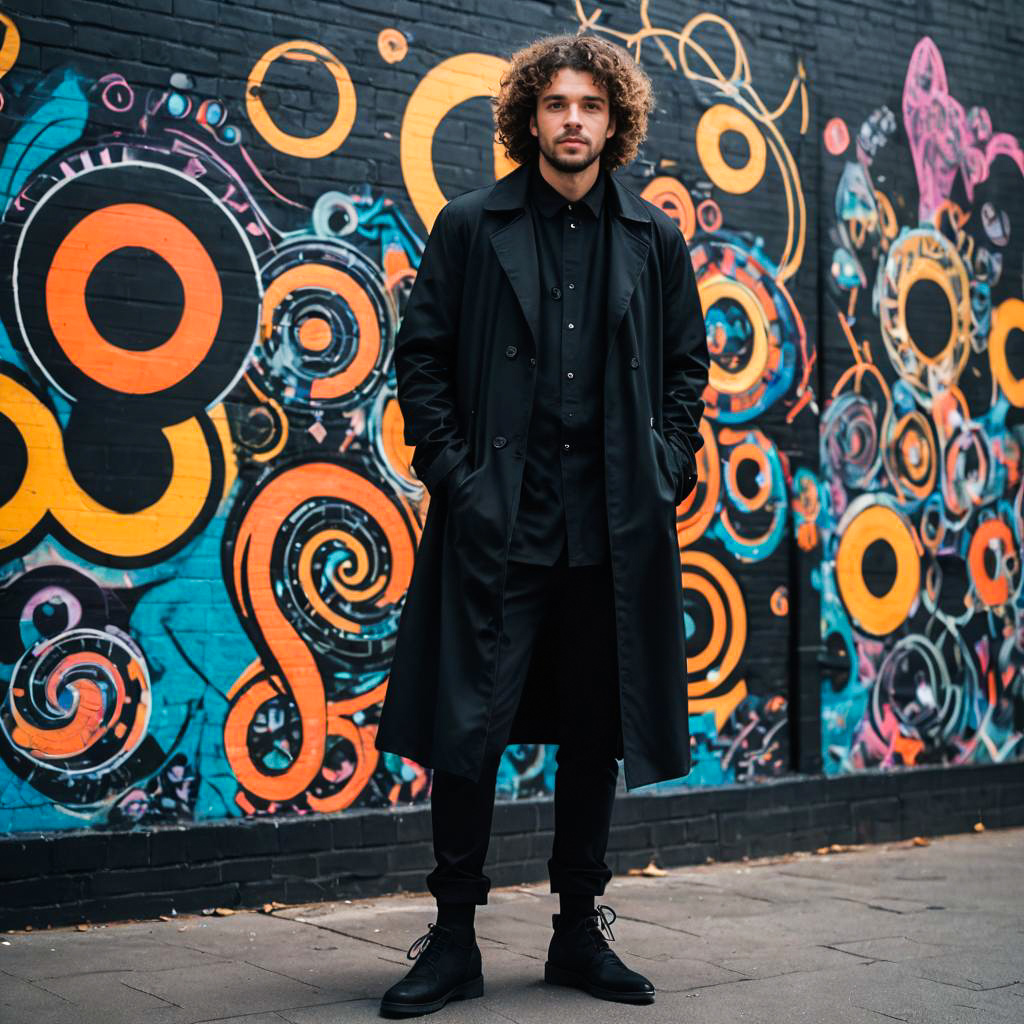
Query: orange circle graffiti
{"type": "Point", "coordinates": [93, 238]}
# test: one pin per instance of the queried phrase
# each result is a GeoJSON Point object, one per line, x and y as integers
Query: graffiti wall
{"type": "Point", "coordinates": [920, 503]}
{"type": "Point", "coordinates": [208, 519]}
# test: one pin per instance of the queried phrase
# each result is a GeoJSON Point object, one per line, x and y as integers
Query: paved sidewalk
{"type": "Point", "coordinates": [930, 933]}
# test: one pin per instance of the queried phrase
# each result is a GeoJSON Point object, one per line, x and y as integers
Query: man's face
{"type": "Point", "coordinates": [573, 120]}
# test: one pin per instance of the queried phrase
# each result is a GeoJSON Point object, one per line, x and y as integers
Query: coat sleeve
{"type": "Point", "coordinates": [425, 349]}
{"type": "Point", "coordinates": [686, 364]}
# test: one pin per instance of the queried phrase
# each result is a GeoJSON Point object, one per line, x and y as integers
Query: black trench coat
{"type": "Point", "coordinates": [464, 358]}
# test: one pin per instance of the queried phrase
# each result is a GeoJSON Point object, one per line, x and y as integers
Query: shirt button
{"type": "Point", "coordinates": [566, 446]}
{"type": "Point", "coordinates": [556, 292]}
{"type": "Point", "coordinates": [571, 326]}
{"type": "Point", "coordinates": [533, 361]}
{"type": "Point", "coordinates": [499, 442]}
{"type": "Point", "coordinates": [569, 375]}
{"type": "Point", "coordinates": [511, 351]}
{"type": "Point", "coordinates": [570, 206]}
{"type": "Point", "coordinates": [572, 223]}
{"type": "Point", "coordinates": [634, 362]}
{"type": "Point", "coordinates": [571, 285]}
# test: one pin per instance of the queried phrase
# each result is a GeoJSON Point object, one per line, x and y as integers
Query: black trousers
{"type": "Point", "coordinates": [589, 722]}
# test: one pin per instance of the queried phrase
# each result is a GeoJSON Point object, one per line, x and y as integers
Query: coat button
{"type": "Point", "coordinates": [511, 351]}
{"type": "Point", "coordinates": [634, 362]}
{"type": "Point", "coordinates": [556, 292]}
{"type": "Point", "coordinates": [499, 442]}
{"type": "Point", "coordinates": [533, 361]}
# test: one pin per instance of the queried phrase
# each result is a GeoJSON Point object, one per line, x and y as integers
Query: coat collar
{"type": "Point", "coordinates": [511, 193]}
{"type": "Point", "coordinates": [515, 247]}
{"type": "Point", "coordinates": [549, 200]}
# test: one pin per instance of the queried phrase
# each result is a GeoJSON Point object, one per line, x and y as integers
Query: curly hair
{"type": "Point", "coordinates": [629, 90]}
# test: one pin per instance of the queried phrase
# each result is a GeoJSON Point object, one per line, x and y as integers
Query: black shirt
{"type": "Point", "coordinates": [562, 499]}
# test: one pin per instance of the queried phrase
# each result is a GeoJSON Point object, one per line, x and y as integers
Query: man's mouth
{"type": "Point", "coordinates": [578, 142]}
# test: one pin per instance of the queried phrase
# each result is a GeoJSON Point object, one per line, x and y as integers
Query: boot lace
{"type": "Point", "coordinates": [598, 923]}
{"type": "Point", "coordinates": [424, 942]}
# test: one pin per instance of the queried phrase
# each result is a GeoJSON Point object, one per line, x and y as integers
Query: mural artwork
{"type": "Point", "coordinates": [921, 435]}
{"type": "Point", "coordinates": [208, 519]}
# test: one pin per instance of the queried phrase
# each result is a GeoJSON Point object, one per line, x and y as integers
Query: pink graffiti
{"type": "Point", "coordinates": [944, 141]}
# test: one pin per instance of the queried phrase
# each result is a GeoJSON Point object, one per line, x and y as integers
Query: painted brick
{"type": "Point", "coordinates": [373, 846]}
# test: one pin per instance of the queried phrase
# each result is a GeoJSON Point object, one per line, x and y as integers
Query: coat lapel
{"type": "Point", "coordinates": [627, 259]}
{"type": "Point", "coordinates": [630, 245]}
{"type": "Point", "coordinates": [514, 246]}
{"type": "Point", "coordinates": [516, 249]}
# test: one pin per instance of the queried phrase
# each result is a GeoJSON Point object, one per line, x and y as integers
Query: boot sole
{"type": "Point", "coordinates": [560, 976]}
{"type": "Point", "coordinates": [472, 989]}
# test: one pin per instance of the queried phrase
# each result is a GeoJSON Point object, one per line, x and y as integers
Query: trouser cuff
{"type": "Point", "coordinates": [582, 881]}
{"type": "Point", "coordinates": [459, 890]}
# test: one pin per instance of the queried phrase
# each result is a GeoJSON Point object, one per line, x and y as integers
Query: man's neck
{"type": "Point", "coordinates": [574, 186]}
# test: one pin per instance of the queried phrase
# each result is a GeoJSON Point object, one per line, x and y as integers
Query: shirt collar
{"type": "Point", "coordinates": [550, 201]}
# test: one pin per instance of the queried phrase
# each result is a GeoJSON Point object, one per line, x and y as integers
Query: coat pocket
{"type": "Point", "coordinates": [666, 461]}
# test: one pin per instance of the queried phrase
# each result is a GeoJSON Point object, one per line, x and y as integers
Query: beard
{"type": "Point", "coordinates": [569, 164]}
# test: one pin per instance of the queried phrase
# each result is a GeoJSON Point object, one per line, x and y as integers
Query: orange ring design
{"type": "Point", "coordinates": [697, 509]}
{"type": "Point", "coordinates": [737, 612]}
{"type": "Point", "coordinates": [316, 275]}
{"type": "Point", "coordinates": [94, 237]}
{"type": "Point", "coordinates": [994, 590]}
{"type": "Point", "coordinates": [878, 615]}
{"type": "Point", "coordinates": [670, 195]}
{"type": "Point", "coordinates": [309, 148]}
{"type": "Point", "coordinates": [714, 123]}
{"type": "Point", "coordinates": [748, 451]}
{"type": "Point", "coordinates": [1009, 314]}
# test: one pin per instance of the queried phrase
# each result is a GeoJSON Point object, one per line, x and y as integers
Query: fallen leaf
{"type": "Point", "coordinates": [223, 911]}
{"type": "Point", "coordinates": [920, 841]}
{"type": "Point", "coordinates": [81, 927]}
{"type": "Point", "coordinates": [979, 826]}
{"type": "Point", "coordinates": [651, 871]}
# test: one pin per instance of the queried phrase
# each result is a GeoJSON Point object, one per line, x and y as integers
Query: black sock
{"type": "Point", "coordinates": [573, 906]}
{"type": "Point", "coordinates": [455, 915]}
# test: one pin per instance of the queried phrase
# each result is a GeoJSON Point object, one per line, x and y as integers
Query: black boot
{"type": "Point", "coordinates": [448, 966]}
{"type": "Point", "coordinates": [580, 956]}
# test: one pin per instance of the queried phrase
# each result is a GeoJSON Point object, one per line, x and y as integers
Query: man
{"type": "Point", "coordinates": [550, 367]}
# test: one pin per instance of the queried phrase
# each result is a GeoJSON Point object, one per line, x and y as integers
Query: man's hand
{"type": "Point", "coordinates": [686, 366]}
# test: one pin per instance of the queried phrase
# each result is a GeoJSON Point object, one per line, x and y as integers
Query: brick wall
{"type": "Point", "coordinates": [94, 875]}
{"type": "Point", "coordinates": [851, 557]}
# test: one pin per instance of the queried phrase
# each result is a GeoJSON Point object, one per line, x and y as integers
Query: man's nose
{"type": "Point", "coordinates": [573, 114]}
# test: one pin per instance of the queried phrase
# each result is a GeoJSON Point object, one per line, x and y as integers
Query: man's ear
{"type": "Point", "coordinates": [611, 126]}
{"type": "Point", "coordinates": [533, 124]}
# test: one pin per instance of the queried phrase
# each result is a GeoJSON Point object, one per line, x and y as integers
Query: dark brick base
{"type": "Point", "coordinates": [95, 875]}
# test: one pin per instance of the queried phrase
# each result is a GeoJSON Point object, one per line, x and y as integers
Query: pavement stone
{"type": "Point", "coordinates": [922, 934]}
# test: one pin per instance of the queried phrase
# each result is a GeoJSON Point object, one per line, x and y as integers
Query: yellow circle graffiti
{"type": "Point", "coordinates": [49, 486]}
{"type": "Point", "coordinates": [295, 145]}
{"type": "Point", "coordinates": [1007, 316]}
{"type": "Point", "coordinates": [878, 614]}
{"type": "Point", "coordinates": [925, 255]}
{"type": "Point", "coordinates": [455, 80]}
{"type": "Point", "coordinates": [11, 45]}
{"type": "Point", "coordinates": [714, 123]}
{"type": "Point", "coordinates": [742, 378]}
